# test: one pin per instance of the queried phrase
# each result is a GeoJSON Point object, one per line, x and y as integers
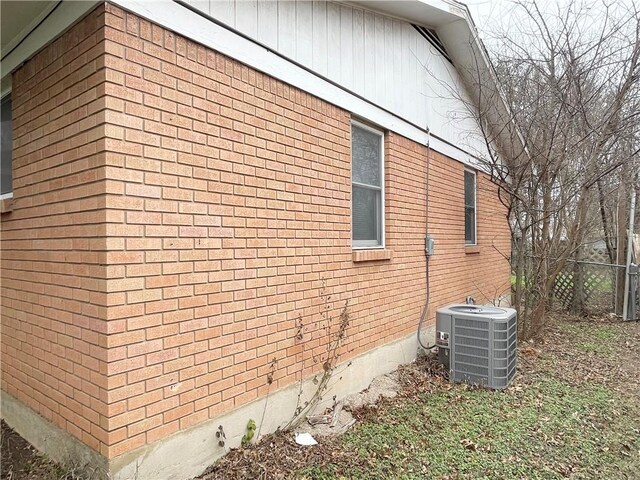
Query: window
{"type": "Point", "coordinates": [469, 207]}
{"type": "Point", "coordinates": [5, 159]}
{"type": "Point", "coordinates": [367, 182]}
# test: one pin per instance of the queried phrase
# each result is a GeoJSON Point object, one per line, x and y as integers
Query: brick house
{"type": "Point", "coordinates": [181, 185]}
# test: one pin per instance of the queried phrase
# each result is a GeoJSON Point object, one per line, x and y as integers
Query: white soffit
{"type": "Point", "coordinates": [18, 19]}
{"type": "Point", "coordinates": [49, 22]}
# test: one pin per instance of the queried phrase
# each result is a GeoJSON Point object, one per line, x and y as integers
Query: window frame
{"type": "Point", "coordinates": [8, 195]}
{"type": "Point", "coordinates": [368, 244]}
{"type": "Point", "coordinates": [475, 207]}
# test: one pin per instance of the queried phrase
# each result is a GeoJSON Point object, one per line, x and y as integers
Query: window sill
{"type": "Point", "coordinates": [371, 255]}
{"type": "Point", "coordinates": [471, 249]}
{"type": "Point", "coordinates": [6, 205]}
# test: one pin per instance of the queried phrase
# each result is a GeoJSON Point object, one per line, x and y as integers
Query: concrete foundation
{"type": "Point", "coordinates": [188, 453]}
{"type": "Point", "coordinates": [56, 443]}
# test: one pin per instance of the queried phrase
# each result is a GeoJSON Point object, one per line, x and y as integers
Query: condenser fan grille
{"type": "Point", "coordinates": [471, 361]}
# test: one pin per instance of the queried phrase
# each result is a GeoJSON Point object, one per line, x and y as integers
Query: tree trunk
{"type": "Point", "coordinates": [605, 223]}
{"type": "Point", "coordinates": [578, 300]}
{"type": "Point", "coordinates": [621, 250]}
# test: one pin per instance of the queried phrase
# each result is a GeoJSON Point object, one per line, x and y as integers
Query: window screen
{"type": "Point", "coordinates": [5, 160]}
{"type": "Point", "coordinates": [469, 207]}
{"type": "Point", "coordinates": [367, 187]}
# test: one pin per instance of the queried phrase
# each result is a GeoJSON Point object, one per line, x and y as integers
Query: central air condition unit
{"type": "Point", "coordinates": [477, 344]}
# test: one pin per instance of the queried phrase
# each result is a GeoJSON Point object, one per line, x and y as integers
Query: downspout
{"type": "Point", "coordinates": [425, 310]}
{"type": "Point", "coordinates": [632, 214]}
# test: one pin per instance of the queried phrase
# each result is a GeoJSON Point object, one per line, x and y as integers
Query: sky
{"type": "Point", "coordinates": [493, 17]}
{"type": "Point", "coordinates": [486, 11]}
{"type": "Point", "coordinates": [491, 14]}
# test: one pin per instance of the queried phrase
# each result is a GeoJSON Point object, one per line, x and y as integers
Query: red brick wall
{"type": "Point", "coordinates": [53, 245]}
{"type": "Point", "coordinates": [457, 270]}
{"type": "Point", "coordinates": [236, 206]}
{"type": "Point", "coordinates": [225, 198]}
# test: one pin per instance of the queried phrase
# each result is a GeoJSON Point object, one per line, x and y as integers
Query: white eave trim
{"type": "Point", "coordinates": [185, 22]}
{"type": "Point", "coordinates": [63, 16]}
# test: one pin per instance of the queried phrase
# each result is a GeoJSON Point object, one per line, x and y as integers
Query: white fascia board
{"type": "Point", "coordinates": [187, 23]}
{"type": "Point", "coordinates": [63, 16]}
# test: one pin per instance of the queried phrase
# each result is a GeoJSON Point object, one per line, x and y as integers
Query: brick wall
{"type": "Point", "coordinates": [53, 245]}
{"type": "Point", "coordinates": [457, 270]}
{"type": "Point", "coordinates": [234, 191]}
{"type": "Point", "coordinates": [221, 210]}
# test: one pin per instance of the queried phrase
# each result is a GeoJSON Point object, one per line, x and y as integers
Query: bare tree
{"type": "Point", "coordinates": [560, 118]}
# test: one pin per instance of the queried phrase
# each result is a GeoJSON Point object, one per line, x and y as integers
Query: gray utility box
{"type": "Point", "coordinates": [477, 344]}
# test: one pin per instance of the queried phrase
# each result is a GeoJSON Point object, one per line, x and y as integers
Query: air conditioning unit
{"type": "Point", "coordinates": [477, 344]}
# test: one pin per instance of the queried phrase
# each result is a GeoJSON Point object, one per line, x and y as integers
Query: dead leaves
{"type": "Point", "coordinates": [469, 445]}
{"type": "Point", "coordinates": [475, 447]}
{"type": "Point", "coordinates": [530, 351]}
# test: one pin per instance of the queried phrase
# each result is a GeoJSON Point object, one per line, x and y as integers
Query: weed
{"type": "Point", "coordinates": [251, 430]}
{"type": "Point", "coordinates": [334, 332]}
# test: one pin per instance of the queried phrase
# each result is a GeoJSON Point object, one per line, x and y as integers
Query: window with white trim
{"type": "Point", "coordinates": [367, 186]}
{"type": "Point", "coordinates": [469, 207]}
{"type": "Point", "coordinates": [7, 149]}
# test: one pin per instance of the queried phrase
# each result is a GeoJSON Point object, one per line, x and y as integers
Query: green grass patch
{"type": "Point", "coordinates": [572, 413]}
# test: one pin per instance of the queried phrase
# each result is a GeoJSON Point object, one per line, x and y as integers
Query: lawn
{"type": "Point", "coordinates": [545, 430]}
{"type": "Point", "coordinates": [572, 412]}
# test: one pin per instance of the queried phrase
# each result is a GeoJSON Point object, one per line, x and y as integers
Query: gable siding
{"type": "Point", "coordinates": [381, 58]}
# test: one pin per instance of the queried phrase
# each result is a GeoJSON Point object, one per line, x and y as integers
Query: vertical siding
{"type": "Point", "coordinates": [223, 10]}
{"type": "Point", "coordinates": [334, 61]}
{"type": "Point", "coordinates": [358, 50]}
{"type": "Point", "coordinates": [347, 35]}
{"type": "Point", "coordinates": [304, 32]}
{"type": "Point", "coordinates": [397, 62]}
{"type": "Point", "coordinates": [286, 29]}
{"type": "Point", "coordinates": [268, 26]}
{"type": "Point", "coordinates": [369, 56]}
{"type": "Point", "coordinates": [381, 58]}
{"type": "Point", "coordinates": [388, 59]}
{"type": "Point", "coordinates": [320, 43]}
{"type": "Point", "coordinates": [247, 17]}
